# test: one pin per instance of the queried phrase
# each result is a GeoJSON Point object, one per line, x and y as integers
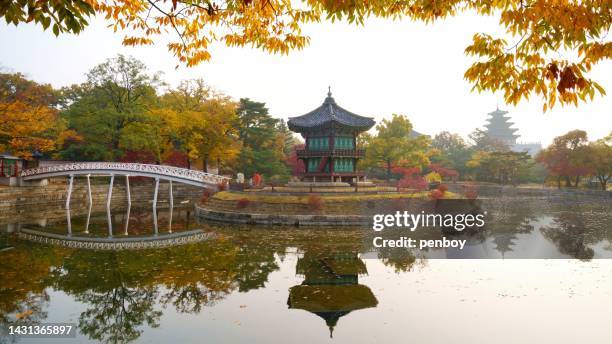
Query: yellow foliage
{"type": "Point", "coordinates": [28, 121]}
{"type": "Point", "coordinates": [433, 177]}
{"type": "Point", "coordinates": [519, 69]}
{"type": "Point", "coordinates": [536, 60]}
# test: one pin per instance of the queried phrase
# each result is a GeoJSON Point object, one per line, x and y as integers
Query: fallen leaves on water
{"type": "Point", "coordinates": [24, 314]}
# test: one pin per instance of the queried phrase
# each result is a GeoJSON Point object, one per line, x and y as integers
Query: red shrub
{"type": "Point", "coordinates": [178, 159]}
{"type": "Point", "coordinates": [443, 188]}
{"type": "Point", "coordinates": [417, 183]}
{"type": "Point", "coordinates": [436, 194]}
{"type": "Point", "coordinates": [141, 158]}
{"type": "Point", "coordinates": [443, 171]}
{"type": "Point", "coordinates": [138, 157]}
{"type": "Point", "coordinates": [222, 186]}
{"type": "Point", "coordinates": [315, 202]}
{"type": "Point", "coordinates": [257, 179]}
{"type": "Point", "coordinates": [243, 203]}
{"type": "Point", "coordinates": [205, 196]}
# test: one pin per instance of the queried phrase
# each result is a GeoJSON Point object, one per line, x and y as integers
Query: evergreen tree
{"type": "Point", "coordinates": [263, 144]}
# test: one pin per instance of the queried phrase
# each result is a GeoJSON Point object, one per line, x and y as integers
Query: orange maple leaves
{"type": "Point", "coordinates": [568, 34]}
{"type": "Point", "coordinates": [28, 120]}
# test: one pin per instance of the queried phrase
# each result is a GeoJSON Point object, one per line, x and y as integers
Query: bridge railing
{"type": "Point", "coordinates": [129, 168]}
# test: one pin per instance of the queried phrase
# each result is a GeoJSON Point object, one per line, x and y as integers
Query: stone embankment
{"type": "Point", "coordinates": [294, 211]}
{"type": "Point", "coordinates": [205, 213]}
{"type": "Point", "coordinates": [26, 201]}
{"type": "Point", "coordinates": [497, 191]}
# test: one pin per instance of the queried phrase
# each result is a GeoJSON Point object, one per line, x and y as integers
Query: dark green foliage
{"type": "Point", "coordinates": [117, 92]}
{"type": "Point", "coordinates": [264, 140]}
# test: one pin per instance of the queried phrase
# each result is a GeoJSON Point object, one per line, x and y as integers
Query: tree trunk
{"type": "Point", "coordinates": [603, 181]}
{"type": "Point", "coordinates": [559, 182]}
{"type": "Point", "coordinates": [205, 164]}
{"type": "Point", "coordinates": [568, 182]}
{"type": "Point", "coordinates": [577, 181]}
{"type": "Point", "coordinates": [188, 163]}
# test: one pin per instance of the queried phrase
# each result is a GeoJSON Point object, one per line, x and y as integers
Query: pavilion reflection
{"type": "Point", "coordinates": [331, 286]}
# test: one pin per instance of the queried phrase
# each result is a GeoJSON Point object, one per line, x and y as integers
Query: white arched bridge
{"type": "Point", "coordinates": [163, 172]}
{"type": "Point", "coordinates": [112, 169]}
{"type": "Point", "coordinates": [127, 170]}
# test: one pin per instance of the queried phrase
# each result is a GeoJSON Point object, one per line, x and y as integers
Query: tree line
{"type": "Point", "coordinates": [122, 112]}
{"type": "Point", "coordinates": [396, 150]}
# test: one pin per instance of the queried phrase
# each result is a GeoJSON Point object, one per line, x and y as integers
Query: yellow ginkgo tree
{"type": "Point", "coordinates": [549, 49]}
{"type": "Point", "coordinates": [28, 119]}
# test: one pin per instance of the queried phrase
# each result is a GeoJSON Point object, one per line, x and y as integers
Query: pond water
{"type": "Point", "coordinates": [257, 284]}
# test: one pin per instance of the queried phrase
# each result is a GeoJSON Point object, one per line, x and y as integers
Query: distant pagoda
{"type": "Point", "coordinates": [500, 128]}
{"type": "Point", "coordinates": [331, 153]}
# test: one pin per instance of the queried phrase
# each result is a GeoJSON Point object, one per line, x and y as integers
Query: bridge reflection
{"type": "Point", "coordinates": [111, 169]}
{"type": "Point", "coordinates": [145, 234]}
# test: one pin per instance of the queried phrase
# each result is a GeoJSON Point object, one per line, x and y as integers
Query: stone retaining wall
{"type": "Point", "coordinates": [28, 201]}
{"type": "Point", "coordinates": [278, 219]}
{"type": "Point", "coordinates": [11, 197]}
{"type": "Point", "coordinates": [486, 190]}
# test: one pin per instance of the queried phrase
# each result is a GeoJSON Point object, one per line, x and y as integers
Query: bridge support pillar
{"type": "Point", "coordinates": [69, 191]}
{"type": "Point", "coordinates": [89, 190]}
{"type": "Point", "coordinates": [127, 190]}
{"type": "Point", "coordinates": [87, 221]}
{"type": "Point", "coordinates": [89, 205]}
{"type": "Point", "coordinates": [155, 205]}
{"type": "Point", "coordinates": [109, 196]}
{"type": "Point", "coordinates": [110, 191]}
{"type": "Point", "coordinates": [68, 222]}
{"type": "Point", "coordinates": [171, 200]}
{"type": "Point", "coordinates": [129, 204]}
{"type": "Point", "coordinates": [127, 220]}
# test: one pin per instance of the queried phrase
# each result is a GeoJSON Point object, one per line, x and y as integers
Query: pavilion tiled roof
{"type": "Point", "coordinates": [329, 111]}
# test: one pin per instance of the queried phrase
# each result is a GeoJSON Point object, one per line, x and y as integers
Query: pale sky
{"type": "Point", "coordinates": [383, 68]}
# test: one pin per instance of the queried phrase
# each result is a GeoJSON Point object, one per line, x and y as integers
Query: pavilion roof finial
{"type": "Point", "coordinates": [329, 91]}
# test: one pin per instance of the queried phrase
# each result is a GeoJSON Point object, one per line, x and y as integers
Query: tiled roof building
{"type": "Point", "coordinates": [330, 132]}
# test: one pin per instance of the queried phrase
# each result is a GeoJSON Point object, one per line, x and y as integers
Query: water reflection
{"type": "Point", "coordinates": [331, 286]}
{"type": "Point", "coordinates": [577, 233]}
{"type": "Point", "coordinates": [531, 228]}
{"type": "Point", "coordinates": [95, 222]}
{"type": "Point", "coordinates": [124, 294]}
{"type": "Point", "coordinates": [121, 291]}
{"type": "Point", "coordinates": [25, 277]}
